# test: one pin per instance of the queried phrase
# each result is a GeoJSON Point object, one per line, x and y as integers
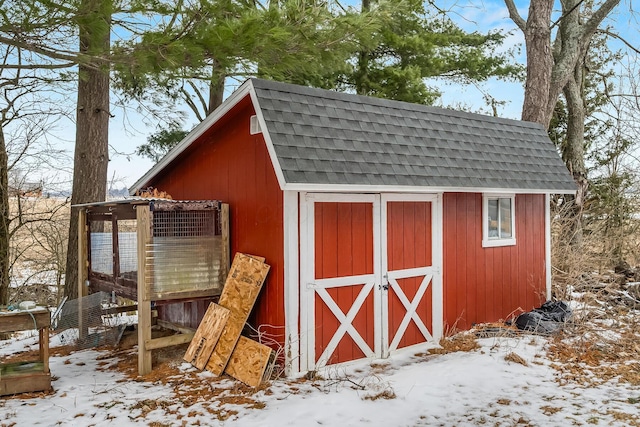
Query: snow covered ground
{"type": "Point", "coordinates": [486, 386]}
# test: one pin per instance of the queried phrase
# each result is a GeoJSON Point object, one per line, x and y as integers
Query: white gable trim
{"type": "Point", "coordinates": [245, 89]}
{"type": "Point", "coordinates": [275, 163]}
{"type": "Point", "coordinates": [201, 128]}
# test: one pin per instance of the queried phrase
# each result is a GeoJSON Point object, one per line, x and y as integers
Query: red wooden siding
{"type": "Point", "coordinates": [487, 284]}
{"type": "Point", "coordinates": [229, 164]}
{"type": "Point", "coordinates": [343, 247]}
{"type": "Point", "coordinates": [409, 246]}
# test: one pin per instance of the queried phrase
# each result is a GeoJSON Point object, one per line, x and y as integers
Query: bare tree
{"type": "Point", "coordinates": [557, 67]}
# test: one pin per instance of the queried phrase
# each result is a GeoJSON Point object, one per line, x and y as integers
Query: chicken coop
{"type": "Point", "coordinates": [154, 252]}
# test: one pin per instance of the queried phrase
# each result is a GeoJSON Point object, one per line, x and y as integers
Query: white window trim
{"type": "Point", "coordinates": [492, 243]}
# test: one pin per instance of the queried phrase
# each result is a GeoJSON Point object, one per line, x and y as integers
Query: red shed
{"type": "Point", "coordinates": [385, 222]}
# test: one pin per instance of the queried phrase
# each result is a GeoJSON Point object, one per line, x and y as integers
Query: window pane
{"type": "Point", "coordinates": [505, 218]}
{"type": "Point", "coordinates": [492, 216]}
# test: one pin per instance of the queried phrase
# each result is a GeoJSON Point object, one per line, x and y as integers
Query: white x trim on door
{"type": "Point", "coordinates": [431, 276]}
{"type": "Point", "coordinates": [313, 286]}
{"type": "Point", "coordinates": [369, 283]}
{"type": "Point", "coordinates": [346, 325]}
{"type": "Point", "coordinates": [411, 307]}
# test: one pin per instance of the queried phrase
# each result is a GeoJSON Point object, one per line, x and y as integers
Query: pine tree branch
{"type": "Point", "coordinates": [39, 49]}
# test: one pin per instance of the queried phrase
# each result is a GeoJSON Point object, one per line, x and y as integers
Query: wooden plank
{"type": "Point", "coordinates": [83, 269]}
{"type": "Point", "coordinates": [24, 320]}
{"type": "Point", "coordinates": [175, 327]}
{"type": "Point", "coordinates": [144, 225]}
{"type": "Point", "coordinates": [115, 246]}
{"type": "Point", "coordinates": [207, 335]}
{"type": "Point", "coordinates": [43, 344]}
{"type": "Point", "coordinates": [169, 341]}
{"type": "Point", "coordinates": [98, 285]}
{"type": "Point", "coordinates": [182, 295]}
{"type": "Point", "coordinates": [249, 361]}
{"type": "Point", "coordinates": [83, 253]}
{"type": "Point", "coordinates": [224, 230]}
{"type": "Point", "coordinates": [23, 383]}
{"type": "Point", "coordinates": [120, 309]}
{"type": "Point", "coordinates": [240, 291]}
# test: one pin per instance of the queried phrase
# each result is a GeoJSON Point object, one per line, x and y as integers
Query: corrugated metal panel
{"type": "Point", "coordinates": [184, 264]}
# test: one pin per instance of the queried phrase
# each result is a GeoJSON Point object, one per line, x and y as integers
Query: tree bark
{"type": "Point", "coordinates": [216, 91]}
{"type": "Point", "coordinates": [91, 155]}
{"type": "Point", "coordinates": [4, 222]}
{"type": "Point", "coordinates": [573, 153]}
{"type": "Point", "coordinates": [549, 69]}
{"type": "Point", "coordinates": [361, 76]}
{"type": "Point", "coordinates": [537, 34]}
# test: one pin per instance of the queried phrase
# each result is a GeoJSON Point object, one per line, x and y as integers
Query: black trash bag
{"type": "Point", "coordinates": [547, 319]}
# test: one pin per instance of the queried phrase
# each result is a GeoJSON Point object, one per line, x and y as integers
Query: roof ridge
{"type": "Point", "coordinates": [383, 102]}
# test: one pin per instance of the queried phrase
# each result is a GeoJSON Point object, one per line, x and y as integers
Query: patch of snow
{"type": "Point", "coordinates": [409, 389]}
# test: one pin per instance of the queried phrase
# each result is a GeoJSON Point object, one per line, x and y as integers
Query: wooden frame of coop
{"type": "Point", "coordinates": [153, 251]}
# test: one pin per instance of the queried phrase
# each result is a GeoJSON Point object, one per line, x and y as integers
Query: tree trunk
{"type": "Point", "coordinates": [574, 147]}
{"type": "Point", "coordinates": [4, 222]}
{"type": "Point", "coordinates": [361, 75]}
{"type": "Point", "coordinates": [216, 91]}
{"type": "Point", "coordinates": [537, 34]}
{"type": "Point", "coordinates": [91, 155]}
{"type": "Point", "coordinates": [549, 68]}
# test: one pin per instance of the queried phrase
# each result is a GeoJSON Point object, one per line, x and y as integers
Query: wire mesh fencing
{"type": "Point", "coordinates": [90, 321]}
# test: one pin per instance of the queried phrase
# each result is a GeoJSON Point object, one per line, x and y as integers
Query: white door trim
{"type": "Point", "coordinates": [432, 275]}
{"type": "Point", "coordinates": [411, 313]}
{"type": "Point", "coordinates": [291, 282]}
{"type": "Point", "coordinates": [310, 286]}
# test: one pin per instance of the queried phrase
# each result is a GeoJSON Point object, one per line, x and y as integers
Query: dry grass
{"type": "Point", "coordinates": [515, 358]}
{"type": "Point", "coordinates": [189, 388]}
{"type": "Point", "coordinates": [464, 341]}
{"type": "Point", "coordinates": [385, 394]}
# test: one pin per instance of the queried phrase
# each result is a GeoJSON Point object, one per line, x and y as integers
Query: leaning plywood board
{"type": "Point", "coordinates": [249, 361]}
{"type": "Point", "coordinates": [207, 335]}
{"type": "Point", "coordinates": [240, 291]}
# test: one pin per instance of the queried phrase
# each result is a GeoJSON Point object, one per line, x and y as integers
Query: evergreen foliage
{"type": "Point", "coordinates": [159, 143]}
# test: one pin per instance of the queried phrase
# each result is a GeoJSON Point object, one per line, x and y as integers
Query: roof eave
{"type": "Point", "coordinates": [363, 188]}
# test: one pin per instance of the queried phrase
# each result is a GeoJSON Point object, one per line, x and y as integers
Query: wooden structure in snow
{"type": "Point", "coordinates": [172, 253]}
{"type": "Point", "coordinates": [26, 376]}
{"type": "Point", "coordinates": [384, 222]}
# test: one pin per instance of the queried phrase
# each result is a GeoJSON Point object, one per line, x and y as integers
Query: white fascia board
{"type": "Point", "coordinates": [547, 244]}
{"type": "Point", "coordinates": [348, 188]}
{"type": "Point", "coordinates": [219, 112]}
{"type": "Point", "coordinates": [267, 138]}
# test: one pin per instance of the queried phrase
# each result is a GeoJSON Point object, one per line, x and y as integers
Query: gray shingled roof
{"type": "Point", "coordinates": [325, 137]}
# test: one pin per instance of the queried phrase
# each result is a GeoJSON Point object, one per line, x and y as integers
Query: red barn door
{"type": "Point", "coordinates": [409, 265]}
{"type": "Point", "coordinates": [367, 270]}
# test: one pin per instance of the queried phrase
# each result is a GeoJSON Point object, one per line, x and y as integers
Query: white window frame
{"type": "Point", "coordinates": [493, 242]}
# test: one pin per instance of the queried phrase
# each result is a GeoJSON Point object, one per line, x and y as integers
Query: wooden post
{"type": "Point", "coordinates": [83, 273]}
{"type": "Point", "coordinates": [44, 348]}
{"type": "Point", "coordinates": [224, 230]}
{"type": "Point", "coordinates": [115, 247]}
{"type": "Point", "coordinates": [144, 224]}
